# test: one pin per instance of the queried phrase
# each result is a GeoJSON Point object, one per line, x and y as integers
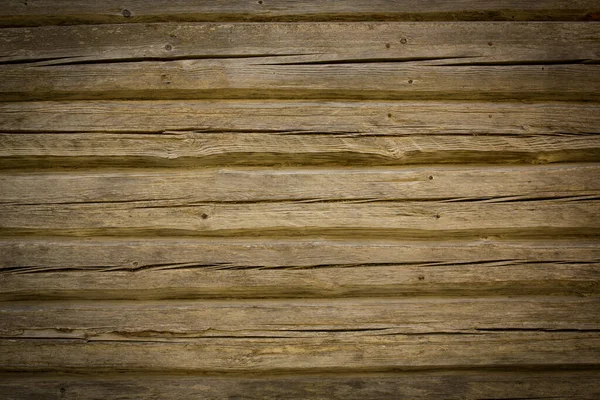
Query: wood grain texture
{"type": "Point", "coordinates": [175, 321]}
{"type": "Point", "coordinates": [395, 219]}
{"type": "Point", "coordinates": [176, 268]}
{"type": "Point", "coordinates": [494, 184]}
{"type": "Point", "coordinates": [286, 118]}
{"type": "Point", "coordinates": [414, 385]}
{"type": "Point", "coordinates": [389, 61]}
{"type": "Point", "coordinates": [332, 203]}
{"type": "Point", "coordinates": [261, 79]}
{"type": "Point", "coordinates": [42, 12]}
{"type": "Point", "coordinates": [272, 355]}
{"type": "Point", "coordinates": [198, 149]}
{"type": "Point", "coordinates": [435, 43]}
{"type": "Point", "coordinates": [208, 133]}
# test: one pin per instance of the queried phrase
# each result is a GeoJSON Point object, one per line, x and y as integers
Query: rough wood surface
{"type": "Point", "coordinates": [205, 133]}
{"type": "Point", "coordinates": [582, 384]}
{"type": "Point", "coordinates": [192, 150]}
{"type": "Point", "coordinates": [263, 78]}
{"type": "Point", "coordinates": [194, 206]}
{"type": "Point", "coordinates": [338, 354]}
{"type": "Point", "coordinates": [389, 61]}
{"type": "Point", "coordinates": [495, 184]}
{"type": "Point", "coordinates": [178, 268]}
{"type": "Point", "coordinates": [40, 12]}
{"type": "Point", "coordinates": [287, 118]}
{"type": "Point", "coordinates": [399, 219]}
{"type": "Point", "coordinates": [340, 318]}
{"type": "Point", "coordinates": [197, 149]}
{"type": "Point", "coordinates": [436, 43]}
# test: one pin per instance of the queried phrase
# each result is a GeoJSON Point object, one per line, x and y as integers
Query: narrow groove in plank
{"type": "Point", "coordinates": [185, 268]}
{"type": "Point", "coordinates": [46, 12]}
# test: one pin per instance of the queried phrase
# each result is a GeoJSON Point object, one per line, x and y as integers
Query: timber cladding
{"type": "Point", "coordinates": [282, 199]}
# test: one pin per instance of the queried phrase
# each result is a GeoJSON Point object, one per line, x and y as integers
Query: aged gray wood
{"type": "Point", "coordinates": [41, 12]}
{"type": "Point", "coordinates": [161, 268]}
{"type": "Point", "coordinates": [272, 355]}
{"type": "Point", "coordinates": [412, 385]}
{"type": "Point", "coordinates": [264, 77]}
{"type": "Point", "coordinates": [437, 43]}
{"type": "Point", "coordinates": [334, 318]}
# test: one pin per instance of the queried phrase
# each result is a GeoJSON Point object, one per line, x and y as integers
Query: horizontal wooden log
{"type": "Point", "coordinates": [249, 185]}
{"type": "Point", "coordinates": [264, 78]}
{"type": "Point", "coordinates": [341, 318]}
{"type": "Point", "coordinates": [201, 133]}
{"type": "Point", "coordinates": [188, 268]}
{"type": "Point", "coordinates": [369, 353]}
{"type": "Point", "coordinates": [395, 61]}
{"type": "Point", "coordinates": [191, 150]}
{"type": "Point", "coordinates": [293, 118]}
{"type": "Point", "coordinates": [414, 385]}
{"type": "Point", "coordinates": [42, 12]}
{"type": "Point", "coordinates": [396, 219]}
{"type": "Point", "coordinates": [438, 43]}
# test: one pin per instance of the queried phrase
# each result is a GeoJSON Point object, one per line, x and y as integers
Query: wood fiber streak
{"type": "Point", "coordinates": [414, 385]}
{"type": "Point", "coordinates": [161, 268]}
{"type": "Point", "coordinates": [346, 318]}
{"type": "Point", "coordinates": [369, 353]}
{"type": "Point", "coordinates": [41, 12]}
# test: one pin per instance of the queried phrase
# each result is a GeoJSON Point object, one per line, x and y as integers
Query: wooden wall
{"type": "Point", "coordinates": [367, 199]}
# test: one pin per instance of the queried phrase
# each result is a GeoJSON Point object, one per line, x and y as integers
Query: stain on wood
{"type": "Point", "coordinates": [339, 200]}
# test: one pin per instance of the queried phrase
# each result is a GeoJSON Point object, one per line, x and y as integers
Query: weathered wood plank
{"type": "Point", "coordinates": [42, 12]}
{"type": "Point", "coordinates": [374, 353]}
{"type": "Point", "coordinates": [340, 318]}
{"type": "Point", "coordinates": [397, 219]}
{"type": "Point", "coordinates": [263, 77]}
{"type": "Point", "coordinates": [442, 43]}
{"type": "Point", "coordinates": [188, 268]}
{"type": "Point", "coordinates": [450, 61]}
{"type": "Point", "coordinates": [412, 385]}
{"type": "Point", "coordinates": [373, 118]}
{"type": "Point", "coordinates": [490, 184]}
{"type": "Point", "coordinates": [189, 150]}
{"type": "Point", "coordinates": [193, 133]}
